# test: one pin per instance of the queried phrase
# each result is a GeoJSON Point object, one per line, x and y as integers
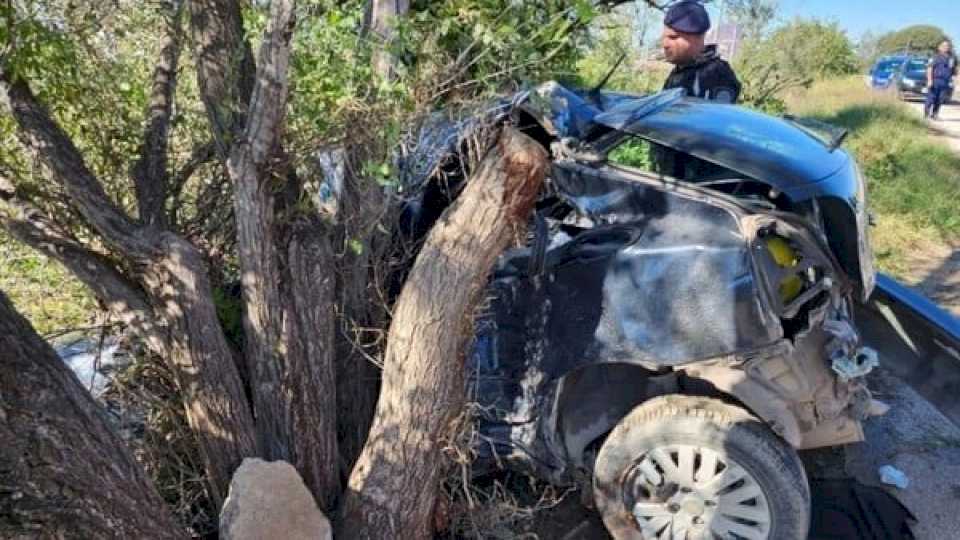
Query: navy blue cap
{"type": "Point", "coordinates": [688, 16]}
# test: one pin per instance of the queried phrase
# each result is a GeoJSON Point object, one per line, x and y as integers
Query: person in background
{"type": "Point", "coordinates": [941, 70]}
{"type": "Point", "coordinates": [697, 66]}
{"type": "Point", "coordinates": [701, 72]}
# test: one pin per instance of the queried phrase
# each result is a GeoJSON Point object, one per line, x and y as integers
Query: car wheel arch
{"type": "Point", "coordinates": [592, 400]}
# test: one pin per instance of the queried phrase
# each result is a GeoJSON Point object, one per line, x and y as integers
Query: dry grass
{"type": "Point", "coordinates": [505, 508]}
{"type": "Point", "coordinates": [913, 180]}
{"type": "Point", "coordinates": [154, 425]}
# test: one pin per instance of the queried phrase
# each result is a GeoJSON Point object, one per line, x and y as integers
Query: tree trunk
{"type": "Point", "coordinates": [225, 67]}
{"type": "Point", "coordinates": [63, 471]}
{"type": "Point", "coordinates": [287, 283]}
{"type": "Point", "coordinates": [393, 488]}
{"type": "Point", "coordinates": [169, 301]}
{"type": "Point", "coordinates": [197, 350]}
{"type": "Point", "coordinates": [380, 20]}
{"type": "Point", "coordinates": [310, 378]}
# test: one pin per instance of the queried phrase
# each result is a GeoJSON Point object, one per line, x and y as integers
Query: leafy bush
{"type": "Point", "coordinates": [794, 56]}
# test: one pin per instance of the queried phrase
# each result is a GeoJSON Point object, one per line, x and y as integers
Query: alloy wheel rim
{"type": "Point", "coordinates": [689, 492]}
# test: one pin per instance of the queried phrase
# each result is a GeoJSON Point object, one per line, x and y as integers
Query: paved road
{"type": "Point", "coordinates": [914, 436]}
{"type": "Point", "coordinates": [947, 128]}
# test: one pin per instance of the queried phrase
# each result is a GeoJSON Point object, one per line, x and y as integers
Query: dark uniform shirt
{"type": "Point", "coordinates": [944, 67]}
{"type": "Point", "coordinates": [707, 77]}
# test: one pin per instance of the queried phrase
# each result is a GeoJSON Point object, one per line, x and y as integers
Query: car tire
{"type": "Point", "coordinates": [727, 473]}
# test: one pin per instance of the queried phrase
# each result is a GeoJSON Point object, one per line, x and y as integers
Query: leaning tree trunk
{"type": "Point", "coordinates": [63, 471]}
{"type": "Point", "coordinates": [393, 488]}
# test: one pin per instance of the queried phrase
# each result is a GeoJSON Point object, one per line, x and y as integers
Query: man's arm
{"type": "Point", "coordinates": [725, 86]}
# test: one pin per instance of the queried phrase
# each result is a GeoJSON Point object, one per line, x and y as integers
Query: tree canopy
{"type": "Point", "coordinates": [921, 38]}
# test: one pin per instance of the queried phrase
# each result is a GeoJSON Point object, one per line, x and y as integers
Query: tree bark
{"type": "Point", "coordinates": [381, 16]}
{"type": "Point", "coordinates": [287, 286]}
{"type": "Point", "coordinates": [254, 180]}
{"type": "Point", "coordinates": [216, 405]}
{"type": "Point", "coordinates": [225, 67]}
{"type": "Point", "coordinates": [150, 175]}
{"type": "Point", "coordinates": [63, 471]}
{"type": "Point", "coordinates": [393, 488]}
{"type": "Point", "coordinates": [310, 378]}
{"type": "Point", "coordinates": [167, 296]}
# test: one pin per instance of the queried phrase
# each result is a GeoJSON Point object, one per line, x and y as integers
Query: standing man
{"type": "Point", "coordinates": [941, 70]}
{"type": "Point", "coordinates": [697, 66]}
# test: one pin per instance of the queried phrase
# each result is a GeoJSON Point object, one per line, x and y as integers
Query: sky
{"type": "Point", "coordinates": [878, 16]}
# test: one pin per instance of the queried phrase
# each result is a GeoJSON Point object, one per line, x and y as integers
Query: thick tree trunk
{"type": "Point", "coordinates": [287, 283]}
{"type": "Point", "coordinates": [393, 488]}
{"type": "Point", "coordinates": [167, 298]}
{"type": "Point", "coordinates": [310, 378]}
{"type": "Point", "coordinates": [209, 382]}
{"type": "Point", "coordinates": [254, 175]}
{"type": "Point", "coordinates": [63, 471]}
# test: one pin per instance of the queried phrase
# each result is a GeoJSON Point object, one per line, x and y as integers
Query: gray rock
{"type": "Point", "coordinates": [269, 501]}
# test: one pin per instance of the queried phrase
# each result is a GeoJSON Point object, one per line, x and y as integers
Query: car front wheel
{"type": "Point", "coordinates": [690, 468]}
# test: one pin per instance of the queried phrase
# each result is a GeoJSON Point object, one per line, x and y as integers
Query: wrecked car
{"type": "Point", "coordinates": [669, 338]}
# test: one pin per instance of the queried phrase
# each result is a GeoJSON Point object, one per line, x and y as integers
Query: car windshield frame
{"type": "Point", "coordinates": [916, 66]}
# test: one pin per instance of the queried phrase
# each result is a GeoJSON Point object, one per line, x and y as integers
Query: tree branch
{"type": "Point", "coordinates": [150, 176]}
{"type": "Point", "coordinates": [124, 299]}
{"type": "Point", "coordinates": [255, 213]}
{"type": "Point", "coordinates": [38, 131]}
{"type": "Point", "coordinates": [225, 68]}
{"type": "Point", "coordinates": [200, 155]}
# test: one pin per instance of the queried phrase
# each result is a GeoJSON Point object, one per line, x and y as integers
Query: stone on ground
{"type": "Point", "coordinates": [269, 501]}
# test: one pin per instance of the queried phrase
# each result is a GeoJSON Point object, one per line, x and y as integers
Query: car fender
{"type": "Point", "coordinates": [733, 380]}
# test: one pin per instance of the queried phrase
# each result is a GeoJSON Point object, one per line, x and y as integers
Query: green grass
{"type": "Point", "coordinates": [913, 180]}
{"type": "Point", "coordinates": [42, 290]}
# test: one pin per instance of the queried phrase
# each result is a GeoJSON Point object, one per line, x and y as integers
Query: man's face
{"type": "Point", "coordinates": [679, 47]}
{"type": "Point", "coordinates": [945, 47]}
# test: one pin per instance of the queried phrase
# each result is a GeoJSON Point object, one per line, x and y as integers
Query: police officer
{"type": "Point", "coordinates": [941, 70]}
{"type": "Point", "coordinates": [697, 66]}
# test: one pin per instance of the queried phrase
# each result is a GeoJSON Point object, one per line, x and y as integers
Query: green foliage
{"type": "Point", "coordinates": [752, 16]}
{"type": "Point", "coordinates": [914, 181]}
{"type": "Point", "coordinates": [793, 56]}
{"type": "Point", "coordinates": [493, 44]}
{"type": "Point", "coordinates": [42, 290]}
{"type": "Point", "coordinates": [634, 152]}
{"type": "Point", "coordinates": [816, 49]}
{"type": "Point", "coordinates": [614, 39]}
{"type": "Point", "coordinates": [921, 38]}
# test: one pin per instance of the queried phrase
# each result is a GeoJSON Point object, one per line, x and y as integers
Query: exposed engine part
{"type": "Point", "coordinates": [859, 364]}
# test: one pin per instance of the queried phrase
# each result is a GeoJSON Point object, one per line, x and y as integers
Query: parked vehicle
{"type": "Point", "coordinates": [884, 71]}
{"type": "Point", "coordinates": [669, 342]}
{"type": "Point", "coordinates": [911, 79]}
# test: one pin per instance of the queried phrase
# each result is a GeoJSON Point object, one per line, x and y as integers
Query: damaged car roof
{"type": "Point", "coordinates": [776, 151]}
